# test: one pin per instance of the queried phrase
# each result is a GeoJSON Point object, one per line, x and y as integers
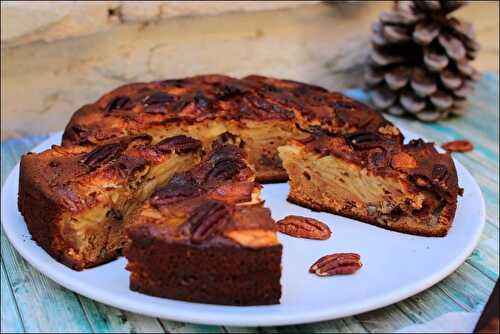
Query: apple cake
{"type": "Point", "coordinates": [206, 237]}
{"type": "Point", "coordinates": [372, 177]}
{"type": "Point", "coordinates": [74, 198]}
{"type": "Point", "coordinates": [204, 234]}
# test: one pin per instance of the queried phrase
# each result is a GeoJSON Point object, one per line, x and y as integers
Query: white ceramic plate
{"type": "Point", "coordinates": [395, 265]}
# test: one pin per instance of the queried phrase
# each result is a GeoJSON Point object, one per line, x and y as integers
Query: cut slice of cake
{"type": "Point", "coordinates": [74, 198]}
{"type": "Point", "coordinates": [206, 237]}
{"type": "Point", "coordinates": [374, 178]}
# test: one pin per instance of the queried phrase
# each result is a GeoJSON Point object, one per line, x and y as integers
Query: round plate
{"type": "Point", "coordinates": [395, 265]}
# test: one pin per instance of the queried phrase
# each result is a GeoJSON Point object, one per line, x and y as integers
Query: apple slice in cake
{"type": "Point", "coordinates": [374, 178]}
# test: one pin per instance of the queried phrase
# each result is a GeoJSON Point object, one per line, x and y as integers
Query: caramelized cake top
{"type": "Point", "coordinates": [76, 176]}
{"type": "Point", "coordinates": [135, 108]}
{"type": "Point", "coordinates": [215, 202]}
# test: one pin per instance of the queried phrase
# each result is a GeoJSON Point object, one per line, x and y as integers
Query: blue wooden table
{"type": "Point", "coordinates": [30, 302]}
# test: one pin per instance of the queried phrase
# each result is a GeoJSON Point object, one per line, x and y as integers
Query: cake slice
{"type": "Point", "coordinates": [206, 237]}
{"type": "Point", "coordinates": [74, 199]}
{"type": "Point", "coordinates": [374, 178]}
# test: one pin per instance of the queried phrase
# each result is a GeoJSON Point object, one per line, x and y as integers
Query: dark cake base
{"type": "Point", "coordinates": [218, 274]}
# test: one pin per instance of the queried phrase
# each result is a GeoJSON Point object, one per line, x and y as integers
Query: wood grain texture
{"type": "Point", "coordinates": [31, 302]}
{"type": "Point", "coordinates": [10, 317]}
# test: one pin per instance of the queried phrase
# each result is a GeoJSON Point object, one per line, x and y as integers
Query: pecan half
{"type": "Point", "coordinates": [202, 101]}
{"type": "Point", "coordinates": [182, 103]}
{"type": "Point", "coordinates": [337, 264]}
{"type": "Point", "coordinates": [224, 170]}
{"type": "Point", "coordinates": [173, 82]}
{"type": "Point", "coordinates": [226, 91]}
{"type": "Point", "coordinates": [234, 192]}
{"type": "Point", "coordinates": [206, 219]}
{"type": "Point", "coordinates": [179, 187]}
{"type": "Point", "coordinates": [117, 103]}
{"type": "Point", "coordinates": [439, 172]}
{"type": "Point", "coordinates": [76, 133]}
{"type": "Point", "coordinates": [179, 143]}
{"type": "Point", "coordinates": [129, 165]}
{"type": "Point", "coordinates": [224, 164]}
{"type": "Point", "coordinates": [102, 154]}
{"type": "Point", "coordinates": [158, 98]}
{"type": "Point", "coordinates": [303, 227]}
{"type": "Point", "coordinates": [458, 146]}
{"type": "Point", "coordinates": [363, 140]}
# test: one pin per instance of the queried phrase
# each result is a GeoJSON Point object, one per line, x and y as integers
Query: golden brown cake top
{"type": "Point", "coordinates": [76, 176]}
{"type": "Point", "coordinates": [135, 108]}
{"type": "Point", "coordinates": [215, 202]}
{"type": "Point", "coordinates": [383, 154]}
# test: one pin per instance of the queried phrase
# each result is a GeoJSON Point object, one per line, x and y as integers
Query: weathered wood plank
{"type": "Point", "coordinates": [468, 287]}
{"type": "Point", "coordinates": [428, 305]}
{"type": "Point", "coordinates": [9, 159]}
{"type": "Point", "coordinates": [344, 325]}
{"type": "Point", "coordinates": [142, 324]}
{"type": "Point", "coordinates": [233, 329]}
{"type": "Point", "coordinates": [385, 320]}
{"type": "Point", "coordinates": [485, 257]}
{"type": "Point", "coordinates": [10, 318]}
{"type": "Point", "coordinates": [107, 319]}
{"type": "Point", "coordinates": [350, 325]}
{"type": "Point", "coordinates": [61, 309]}
{"type": "Point", "coordinates": [181, 327]}
{"type": "Point", "coordinates": [280, 329]}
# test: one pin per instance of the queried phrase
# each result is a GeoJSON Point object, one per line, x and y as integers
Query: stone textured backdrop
{"type": "Point", "coordinates": [56, 57]}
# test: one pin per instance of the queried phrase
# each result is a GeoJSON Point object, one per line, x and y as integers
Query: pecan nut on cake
{"type": "Point", "coordinates": [264, 113]}
{"type": "Point", "coordinates": [372, 177]}
{"type": "Point", "coordinates": [206, 237]}
{"type": "Point", "coordinates": [74, 198]}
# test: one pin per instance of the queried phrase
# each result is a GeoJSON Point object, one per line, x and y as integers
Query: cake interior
{"type": "Point", "coordinates": [75, 199]}
{"type": "Point", "coordinates": [258, 140]}
{"type": "Point", "coordinates": [329, 183]}
{"type": "Point", "coordinates": [97, 234]}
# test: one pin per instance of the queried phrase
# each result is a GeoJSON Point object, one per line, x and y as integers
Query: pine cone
{"type": "Point", "coordinates": [419, 63]}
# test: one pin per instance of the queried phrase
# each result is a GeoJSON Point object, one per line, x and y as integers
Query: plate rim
{"type": "Point", "coordinates": [207, 318]}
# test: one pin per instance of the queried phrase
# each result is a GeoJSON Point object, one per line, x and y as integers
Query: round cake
{"type": "Point", "coordinates": [85, 201]}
